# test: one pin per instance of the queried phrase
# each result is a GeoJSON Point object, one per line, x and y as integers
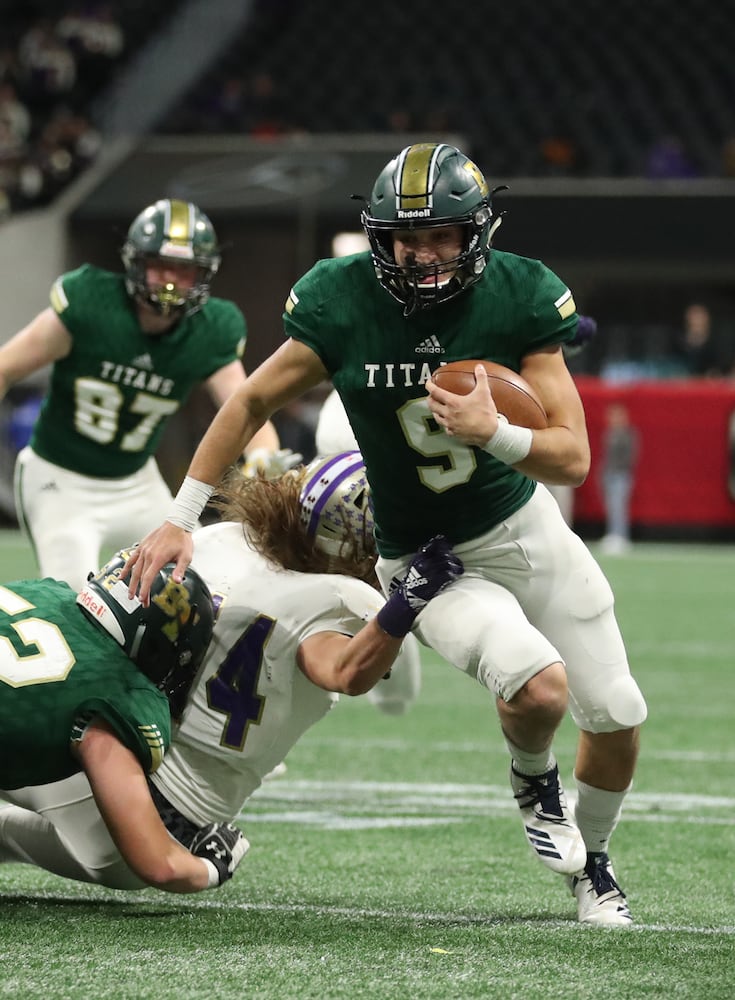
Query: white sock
{"type": "Point", "coordinates": [597, 813]}
{"type": "Point", "coordinates": [531, 763]}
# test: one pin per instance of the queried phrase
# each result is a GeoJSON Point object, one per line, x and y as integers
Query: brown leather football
{"type": "Point", "coordinates": [513, 396]}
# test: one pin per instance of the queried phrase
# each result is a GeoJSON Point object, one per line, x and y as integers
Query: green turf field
{"type": "Point", "coordinates": [389, 861]}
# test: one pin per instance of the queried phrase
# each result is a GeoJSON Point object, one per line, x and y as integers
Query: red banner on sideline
{"type": "Point", "coordinates": [685, 459]}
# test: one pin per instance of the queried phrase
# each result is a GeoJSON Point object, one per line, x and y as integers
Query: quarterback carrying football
{"type": "Point", "coordinates": [533, 617]}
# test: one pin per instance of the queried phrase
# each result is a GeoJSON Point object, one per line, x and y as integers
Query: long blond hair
{"type": "Point", "coordinates": [269, 511]}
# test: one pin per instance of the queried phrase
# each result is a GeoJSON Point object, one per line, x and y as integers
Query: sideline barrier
{"type": "Point", "coordinates": [685, 476]}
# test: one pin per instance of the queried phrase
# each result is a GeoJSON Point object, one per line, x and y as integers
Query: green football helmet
{"type": "Point", "coordinates": [167, 640]}
{"type": "Point", "coordinates": [176, 232]}
{"type": "Point", "coordinates": [429, 185]}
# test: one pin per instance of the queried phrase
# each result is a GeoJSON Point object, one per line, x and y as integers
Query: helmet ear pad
{"type": "Point", "coordinates": [166, 640]}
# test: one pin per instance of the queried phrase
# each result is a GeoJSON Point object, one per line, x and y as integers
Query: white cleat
{"type": "Point", "coordinates": [600, 900]}
{"type": "Point", "coordinates": [548, 823]}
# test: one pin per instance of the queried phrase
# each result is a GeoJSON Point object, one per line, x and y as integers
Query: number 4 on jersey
{"type": "Point", "coordinates": [232, 690]}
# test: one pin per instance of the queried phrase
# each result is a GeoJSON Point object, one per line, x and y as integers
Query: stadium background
{"type": "Point", "coordinates": [388, 861]}
{"type": "Point", "coordinates": [612, 124]}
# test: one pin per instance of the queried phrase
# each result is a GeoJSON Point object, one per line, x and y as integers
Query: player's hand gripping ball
{"type": "Point", "coordinates": [514, 397]}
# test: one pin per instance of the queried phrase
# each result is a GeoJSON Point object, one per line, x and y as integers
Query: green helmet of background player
{"type": "Point", "coordinates": [429, 185]}
{"type": "Point", "coordinates": [176, 232]}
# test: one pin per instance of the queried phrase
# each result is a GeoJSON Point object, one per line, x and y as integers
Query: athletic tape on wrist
{"type": "Point", "coordinates": [188, 504]}
{"type": "Point", "coordinates": [510, 443]}
{"type": "Point", "coordinates": [212, 874]}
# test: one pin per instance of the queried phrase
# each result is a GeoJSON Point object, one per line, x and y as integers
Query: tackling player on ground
{"type": "Point", "coordinates": [533, 618]}
{"type": "Point", "coordinates": [88, 685]}
{"type": "Point", "coordinates": [296, 621]}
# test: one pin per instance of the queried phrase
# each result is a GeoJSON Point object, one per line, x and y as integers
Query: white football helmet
{"type": "Point", "coordinates": [335, 504]}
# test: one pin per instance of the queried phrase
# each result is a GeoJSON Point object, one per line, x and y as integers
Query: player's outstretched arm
{"type": "Point", "coordinates": [287, 373]}
{"type": "Point", "coordinates": [354, 665]}
{"type": "Point", "coordinates": [44, 340]}
{"type": "Point", "coordinates": [121, 791]}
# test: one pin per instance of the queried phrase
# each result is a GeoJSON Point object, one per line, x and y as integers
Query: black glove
{"type": "Point", "coordinates": [432, 569]}
{"type": "Point", "coordinates": [222, 847]}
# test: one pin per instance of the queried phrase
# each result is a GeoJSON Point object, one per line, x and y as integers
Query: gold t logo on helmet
{"type": "Point", "coordinates": [473, 169]}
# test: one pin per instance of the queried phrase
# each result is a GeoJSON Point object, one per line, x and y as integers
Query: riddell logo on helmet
{"type": "Point", "coordinates": [413, 213]}
{"type": "Point", "coordinates": [92, 603]}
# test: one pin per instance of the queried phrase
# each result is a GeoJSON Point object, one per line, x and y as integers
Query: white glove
{"type": "Point", "coordinates": [272, 464]}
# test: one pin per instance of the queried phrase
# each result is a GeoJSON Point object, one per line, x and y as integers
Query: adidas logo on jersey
{"type": "Point", "coordinates": [144, 361]}
{"type": "Point", "coordinates": [430, 346]}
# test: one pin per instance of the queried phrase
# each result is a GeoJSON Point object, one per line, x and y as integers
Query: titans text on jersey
{"type": "Point", "coordinates": [118, 385]}
{"type": "Point", "coordinates": [423, 481]}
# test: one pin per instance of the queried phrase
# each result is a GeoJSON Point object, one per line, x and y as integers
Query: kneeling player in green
{"type": "Point", "coordinates": [89, 682]}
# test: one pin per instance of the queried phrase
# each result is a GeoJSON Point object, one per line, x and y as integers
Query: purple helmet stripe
{"type": "Point", "coordinates": [341, 466]}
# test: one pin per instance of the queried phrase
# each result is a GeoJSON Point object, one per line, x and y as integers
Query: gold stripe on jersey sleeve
{"type": "Point", "coordinates": [565, 304]}
{"type": "Point", "coordinates": [152, 735]}
{"type": "Point", "coordinates": [291, 302]}
{"type": "Point", "coordinates": [59, 301]}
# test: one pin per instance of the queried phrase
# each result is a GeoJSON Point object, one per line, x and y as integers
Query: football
{"type": "Point", "coordinates": [514, 397]}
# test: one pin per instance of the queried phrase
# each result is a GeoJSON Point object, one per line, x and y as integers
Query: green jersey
{"type": "Point", "coordinates": [424, 482]}
{"type": "Point", "coordinates": [57, 670]}
{"type": "Point", "coordinates": [110, 397]}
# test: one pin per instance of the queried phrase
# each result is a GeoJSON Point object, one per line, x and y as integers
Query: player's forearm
{"type": "Point", "coordinates": [557, 456]}
{"type": "Point", "coordinates": [266, 437]}
{"type": "Point", "coordinates": [353, 665]}
{"type": "Point", "coordinates": [178, 871]}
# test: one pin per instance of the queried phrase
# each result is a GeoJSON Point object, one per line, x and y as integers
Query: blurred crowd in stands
{"type": "Point", "coordinates": [587, 106]}
{"type": "Point", "coordinates": [701, 345]}
{"type": "Point", "coordinates": [56, 58]}
{"type": "Point", "coordinates": [51, 66]}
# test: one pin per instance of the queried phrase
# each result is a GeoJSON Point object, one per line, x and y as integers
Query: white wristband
{"type": "Point", "coordinates": [190, 501]}
{"type": "Point", "coordinates": [212, 874]}
{"type": "Point", "coordinates": [510, 443]}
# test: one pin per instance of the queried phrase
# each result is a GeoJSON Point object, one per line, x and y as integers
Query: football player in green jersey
{"type": "Point", "coordinates": [127, 350]}
{"type": "Point", "coordinates": [533, 617]}
{"type": "Point", "coordinates": [88, 682]}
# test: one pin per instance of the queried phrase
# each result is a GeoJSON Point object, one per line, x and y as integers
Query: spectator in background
{"type": "Point", "coordinates": [15, 119]}
{"type": "Point", "coordinates": [619, 456]}
{"type": "Point", "coordinates": [669, 160]}
{"type": "Point", "coordinates": [47, 66]}
{"type": "Point", "coordinates": [728, 157]}
{"type": "Point", "coordinates": [696, 349]}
